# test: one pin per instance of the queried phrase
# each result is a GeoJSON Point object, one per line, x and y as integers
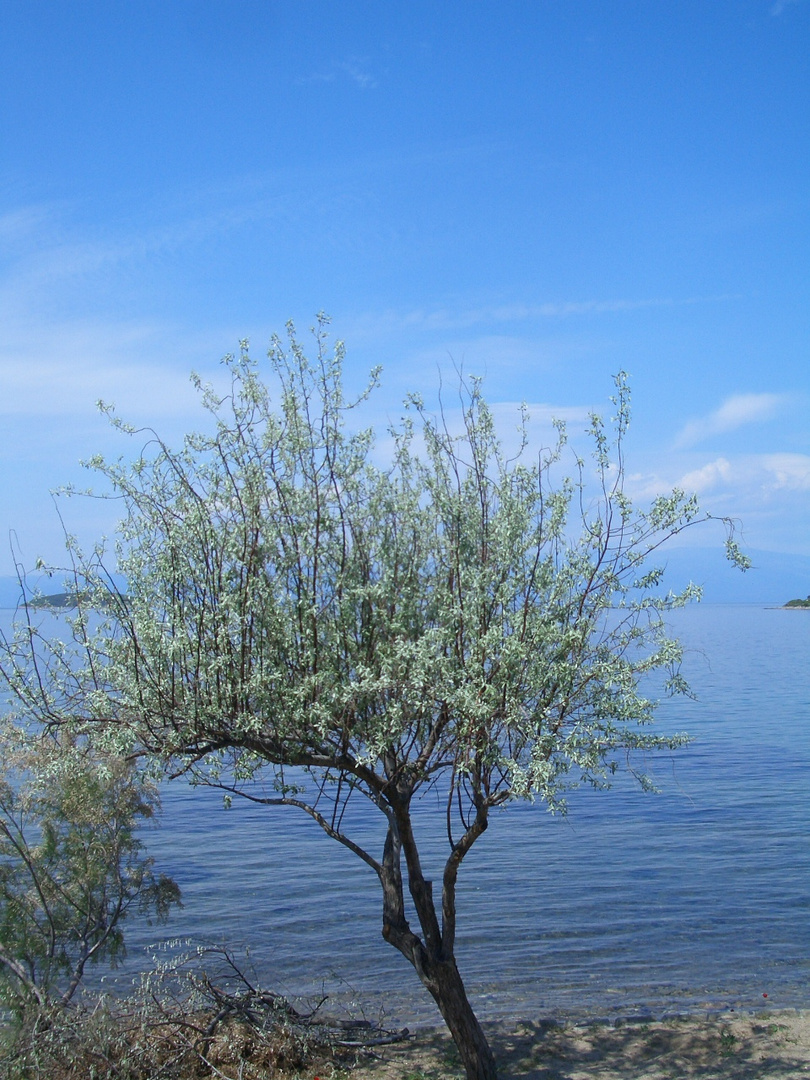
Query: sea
{"type": "Point", "coordinates": [693, 899]}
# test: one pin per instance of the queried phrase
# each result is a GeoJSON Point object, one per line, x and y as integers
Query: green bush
{"type": "Point", "coordinates": [72, 865]}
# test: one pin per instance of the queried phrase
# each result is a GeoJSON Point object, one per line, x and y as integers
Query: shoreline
{"type": "Point", "coordinates": [733, 1045]}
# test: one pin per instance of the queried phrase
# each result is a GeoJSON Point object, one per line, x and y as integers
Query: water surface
{"type": "Point", "coordinates": [694, 898]}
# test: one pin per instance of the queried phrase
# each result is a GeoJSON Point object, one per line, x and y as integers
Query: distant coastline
{"type": "Point", "coordinates": [57, 600]}
{"type": "Point", "coordinates": [63, 600]}
{"type": "Point", "coordinates": [798, 604]}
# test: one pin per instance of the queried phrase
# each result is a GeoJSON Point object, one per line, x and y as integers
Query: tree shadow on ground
{"type": "Point", "coordinates": [775, 1047]}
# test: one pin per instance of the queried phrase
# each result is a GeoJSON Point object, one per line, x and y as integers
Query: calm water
{"type": "Point", "coordinates": [698, 897]}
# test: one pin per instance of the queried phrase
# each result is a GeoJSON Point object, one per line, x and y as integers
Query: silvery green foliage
{"type": "Point", "coordinates": [453, 614]}
{"type": "Point", "coordinates": [297, 612]}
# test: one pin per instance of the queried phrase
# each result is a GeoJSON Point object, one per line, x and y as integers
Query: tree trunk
{"type": "Point", "coordinates": [432, 956]}
{"type": "Point", "coordinates": [444, 983]}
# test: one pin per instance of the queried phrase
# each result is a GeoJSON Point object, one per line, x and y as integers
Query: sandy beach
{"type": "Point", "coordinates": [730, 1046]}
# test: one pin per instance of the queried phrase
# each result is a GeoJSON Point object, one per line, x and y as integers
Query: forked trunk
{"type": "Point", "coordinates": [445, 985]}
{"type": "Point", "coordinates": [432, 956]}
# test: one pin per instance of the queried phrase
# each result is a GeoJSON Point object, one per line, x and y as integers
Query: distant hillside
{"type": "Point", "coordinates": [57, 600]}
{"type": "Point", "coordinates": [11, 597]}
{"type": "Point", "coordinates": [11, 593]}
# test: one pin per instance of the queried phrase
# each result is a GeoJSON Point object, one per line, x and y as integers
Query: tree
{"type": "Point", "coordinates": [453, 621]}
{"type": "Point", "coordinates": [71, 865]}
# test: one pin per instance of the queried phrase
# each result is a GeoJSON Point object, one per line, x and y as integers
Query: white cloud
{"type": "Point", "coordinates": [788, 471]}
{"type": "Point", "coordinates": [742, 486]}
{"type": "Point", "coordinates": [707, 477]}
{"type": "Point", "coordinates": [734, 413]}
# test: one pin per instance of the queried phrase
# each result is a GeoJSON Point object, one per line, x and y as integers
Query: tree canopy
{"type": "Point", "coordinates": [441, 617]}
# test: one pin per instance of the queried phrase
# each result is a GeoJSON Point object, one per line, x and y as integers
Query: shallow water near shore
{"type": "Point", "coordinates": [694, 899]}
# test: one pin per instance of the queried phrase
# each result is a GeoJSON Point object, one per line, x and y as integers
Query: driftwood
{"type": "Point", "coordinates": [264, 1011]}
{"type": "Point", "coordinates": [261, 1009]}
{"type": "Point", "coordinates": [195, 1015]}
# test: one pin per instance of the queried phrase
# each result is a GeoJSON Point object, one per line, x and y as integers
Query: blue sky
{"type": "Point", "coordinates": [544, 192]}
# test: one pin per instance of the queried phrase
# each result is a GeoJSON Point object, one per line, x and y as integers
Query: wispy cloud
{"type": "Point", "coordinates": [22, 222]}
{"type": "Point", "coordinates": [790, 472]}
{"type": "Point", "coordinates": [55, 251]}
{"type": "Point", "coordinates": [356, 69]}
{"type": "Point", "coordinates": [62, 370]}
{"type": "Point", "coordinates": [462, 317]}
{"type": "Point", "coordinates": [540, 418]}
{"type": "Point", "coordinates": [735, 412]}
{"type": "Point", "coordinates": [782, 5]}
{"type": "Point", "coordinates": [517, 439]}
